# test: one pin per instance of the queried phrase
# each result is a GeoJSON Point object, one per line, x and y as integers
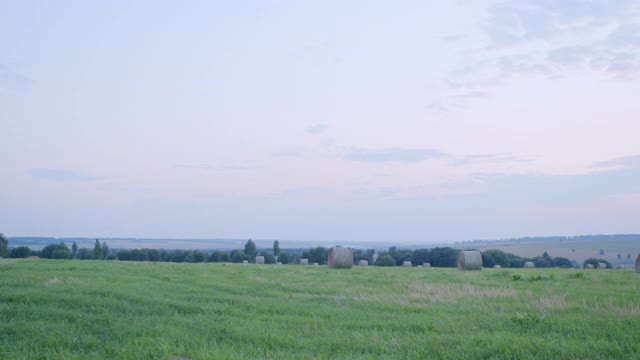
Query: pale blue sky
{"type": "Point", "coordinates": [362, 120]}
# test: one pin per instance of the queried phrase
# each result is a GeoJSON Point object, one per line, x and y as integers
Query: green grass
{"type": "Point", "coordinates": [119, 310]}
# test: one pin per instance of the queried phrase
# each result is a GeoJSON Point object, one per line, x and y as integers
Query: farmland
{"type": "Point", "coordinates": [69, 309]}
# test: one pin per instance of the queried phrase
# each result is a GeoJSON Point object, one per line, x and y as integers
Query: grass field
{"type": "Point", "coordinates": [54, 309]}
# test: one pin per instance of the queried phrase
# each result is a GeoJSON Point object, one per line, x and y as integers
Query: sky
{"type": "Point", "coordinates": [404, 121]}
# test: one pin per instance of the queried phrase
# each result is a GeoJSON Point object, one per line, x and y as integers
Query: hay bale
{"type": "Point", "coordinates": [278, 263]}
{"type": "Point", "coordinates": [529, 264]}
{"type": "Point", "coordinates": [589, 266]}
{"type": "Point", "coordinates": [426, 265]}
{"type": "Point", "coordinates": [602, 265]}
{"type": "Point", "coordinates": [469, 260]}
{"type": "Point", "coordinates": [364, 263]}
{"type": "Point", "coordinates": [245, 261]}
{"type": "Point", "coordinates": [340, 258]}
{"type": "Point", "coordinates": [407, 264]}
{"type": "Point", "coordinates": [497, 267]}
{"type": "Point", "coordinates": [260, 260]}
{"type": "Point", "coordinates": [638, 264]}
{"type": "Point", "coordinates": [304, 261]}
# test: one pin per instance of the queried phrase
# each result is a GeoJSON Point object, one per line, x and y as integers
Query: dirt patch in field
{"type": "Point", "coordinates": [53, 282]}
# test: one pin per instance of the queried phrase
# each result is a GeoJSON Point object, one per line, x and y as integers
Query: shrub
{"type": "Point", "coordinates": [385, 260]}
{"type": "Point", "coordinates": [21, 252]}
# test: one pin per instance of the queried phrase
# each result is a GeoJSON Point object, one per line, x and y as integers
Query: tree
{"type": "Point", "coordinates": [444, 257]}
{"type": "Point", "coordinates": [21, 252]}
{"type": "Point", "coordinates": [105, 250]}
{"type": "Point", "coordinates": [97, 250]}
{"type": "Point", "coordinates": [237, 256]}
{"type": "Point", "coordinates": [317, 255]}
{"type": "Point", "coordinates": [250, 249]}
{"type": "Point", "coordinates": [47, 251]}
{"type": "Point", "coordinates": [276, 248]}
{"type": "Point", "coordinates": [4, 246]}
{"type": "Point", "coordinates": [385, 260]}
{"type": "Point", "coordinates": [421, 256]}
{"type": "Point", "coordinates": [74, 249]}
{"type": "Point", "coordinates": [493, 257]}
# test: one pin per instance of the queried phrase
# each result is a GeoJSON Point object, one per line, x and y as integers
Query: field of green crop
{"type": "Point", "coordinates": [54, 309]}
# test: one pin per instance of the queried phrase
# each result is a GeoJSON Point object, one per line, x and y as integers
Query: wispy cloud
{"type": "Point", "coordinates": [317, 129]}
{"type": "Point", "coordinates": [11, 79]}
{"type": "Point", "coordinates": [527, 38]}
{"type": "Point", "coordinates": [60, 175]}
{"type": "Point", "coordinates": [391, 155]}
{"type": "Point", "coordinates": [213, 168]}
{"type": "Point", "coordinates": [626, 162]}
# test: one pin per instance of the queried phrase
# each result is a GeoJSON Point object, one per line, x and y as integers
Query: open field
{"type": "Point", "coordinates": [68, 309]}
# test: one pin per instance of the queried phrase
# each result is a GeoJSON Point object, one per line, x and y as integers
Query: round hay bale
{"type": "Point", "coordinates": [497, 267]}
{"type": "Point", "coordinates": [260, 260]}
{"type": "Point", "coordinates": [602, 265]}
{"type": "Point", "coordinates": [589, 266]}
{"type": "Point", "coordinates": [340, 258]}
{"type": "Point", "coordinates": [315, 264]}
{"type": "Point", "coordinates": [469, 260]}
{"type": "Point", "coordinates": [426, 265]}
{"type": "Point", "coordinates": [364, 263]}
{"type": "Point", "coordinates": [278, 263]}
{"type": "Point", "coordinates": [638, 264]}
{"type": "Point", "coordinates": [407, 264]}
{"type": "Point", "coordinates": [245, 261]}
{"type": "Point", "coordinates": [304, 261]}
{"type": "Point", "coordinates": [529, 264]}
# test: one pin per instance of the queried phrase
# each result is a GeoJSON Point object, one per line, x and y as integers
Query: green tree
{"type": "Point", "coordinates": [385, 260]}
{"type": "Point", "coordinates": [74, 249]}
{"type": "Point", "coordinates": [47, 251]}
{"type": "Point", "coordinates": [97, 250]}
{"type": "Point", "coordinates": [21, 252]}
{"type": "Point", "coordinates": [250, 249]}
{"type": "Point", "coordinates": [4, 246]}
{"type": "Point", "coordinates": [276, 248]}
{"type": "Point", "coordinates": [105, 250]}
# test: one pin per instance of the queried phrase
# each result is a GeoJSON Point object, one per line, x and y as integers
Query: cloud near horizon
{"type": "Point", "coordinates": [60, 175]}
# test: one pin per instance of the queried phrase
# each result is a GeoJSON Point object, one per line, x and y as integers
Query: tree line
{"type": "Point", "coordinates": [436, 257]}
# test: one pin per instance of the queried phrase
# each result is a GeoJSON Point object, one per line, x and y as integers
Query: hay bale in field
{"type": "Point", "coordinates": [469, 260]}
{"type": "Point", "coordinates": [497, 267]}
{"type": "Point", "coordinates": [304, 261]}
{"type": "Point", "coordinates": [340, 258]}
{"type": "Point", "coordinates": [364, 263]}
{"type": "Point", "coordinates": [589, 266]}
{"type": "Point", "coordinates": [260, 260]}
{"type": "Point", "coordinates": [407, 264]}
{"type": "Point", "coordinates": [245, 261]}
{"type": "Point", "coordinates": [529, 264]}
{"type": "Point", "coordinates": [278, 263]}
{"type": "Point", "coordinates": [638, 264]}
{"type": "Point", "coordinates": [602, 265]}
{"type": "Point", "coordinates": [315, 264]}
{"type": "Point", "coordinates": [426, 265]}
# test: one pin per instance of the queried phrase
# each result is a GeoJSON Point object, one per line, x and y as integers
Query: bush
{"type": "Point", "coordinates": [61, 254]}
{"type": "Point", "coordinates": [21, 252]}
{"type": "Point", "coordinates": [385, 260]}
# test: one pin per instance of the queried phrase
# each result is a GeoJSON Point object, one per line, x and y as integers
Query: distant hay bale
{"type": "Point", "coordinates": [602, 265]}
{"type": "Point", "coordinates": [529, 264]}
{"type": "Point", "coordinates": [315, 264]}
{"type": "Point", "coordinates": [407, 264]}
{"type": "Point", "coordinates": [589, 266]}
{"type": "Point", "coordinates": [245, 261]}
{"type": "Point", "coordinates": [278, 263]}
{"type": "Point", "coordinates": [364, 263]}
{"type": "Point", "coordinates": [260, 260]}
{"type": "Point", "coordinates": [340, 258]}
{"type": "Point", "coordinates": [304, 261]}
{"type": "Point", "coordinates": [497, 266]}
{"type": "Point", "coordinates": [469, 260]}
{"type": "Point", "coordinates": [426, 265]}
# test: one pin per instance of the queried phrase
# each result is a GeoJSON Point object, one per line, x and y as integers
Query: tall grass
{"type": "Point", "coordinates": [108, 310]}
